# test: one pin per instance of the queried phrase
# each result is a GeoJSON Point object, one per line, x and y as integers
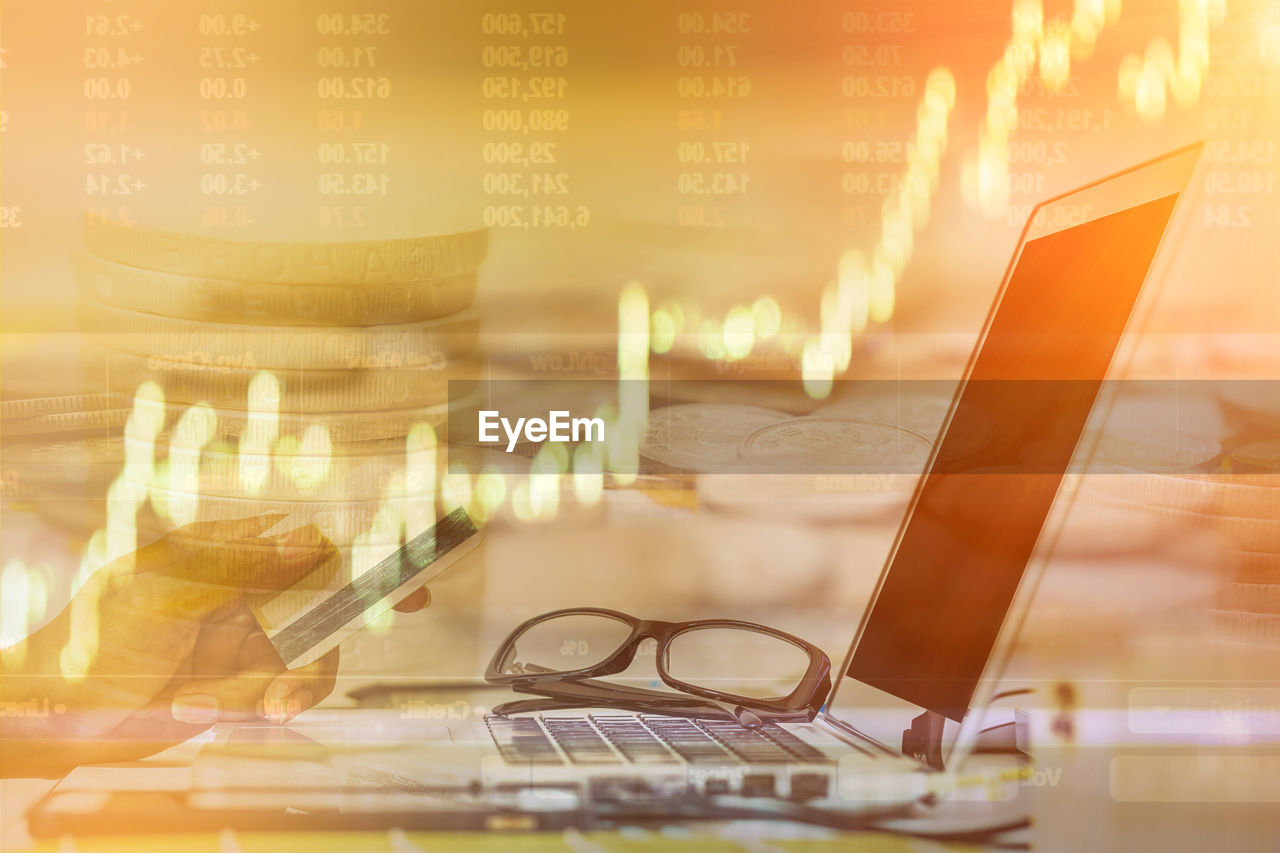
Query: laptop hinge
{"type": "Point", "coordinates": [923, 741]}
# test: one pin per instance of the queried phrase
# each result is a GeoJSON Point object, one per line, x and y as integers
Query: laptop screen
{"type": "Point", "coordinates": [980, 509]}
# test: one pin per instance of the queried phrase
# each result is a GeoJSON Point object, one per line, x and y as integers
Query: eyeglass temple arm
{"type": "Point", "coordinates": [682, 709]}
{"type": "Point", "coordinates": [569, 693]}
{"type": "Point", "coordinates": [585, 692]}
{"type": "Point", "coordinates": [591, 689]}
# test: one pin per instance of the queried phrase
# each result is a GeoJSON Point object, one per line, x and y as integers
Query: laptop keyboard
{"type": "Point", "coordinates": [597, 739]}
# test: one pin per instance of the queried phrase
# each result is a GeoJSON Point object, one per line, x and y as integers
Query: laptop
{"type": "Point", "coordinates": [910, 695]}
{"type": "Point", "coordinates": [934, 637]}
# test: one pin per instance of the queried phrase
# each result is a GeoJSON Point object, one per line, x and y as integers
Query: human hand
{"type": "Point", "coordinates": [159, 645]}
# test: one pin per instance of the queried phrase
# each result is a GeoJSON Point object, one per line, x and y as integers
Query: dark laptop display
{"type": "Point", "coordinates": [998, 466]}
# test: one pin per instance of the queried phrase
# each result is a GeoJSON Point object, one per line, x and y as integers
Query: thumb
{"type": "Point", "coordinates": [296, 690]}
{"type": "Point", "coordinates": [419, 599]}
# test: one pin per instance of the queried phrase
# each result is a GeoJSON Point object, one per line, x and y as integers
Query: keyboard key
{"type": "Point", "coordinates": [748, 744]}
{"type": "Point", "coordinates": [520, 740]}
{"type": "Point", "coordinates": [630, 737]}
{"type": "Point", "coordinates": [579, 740]}
{"type": "Point", "coordinates": [803, 751]}
{"type": "Point", "coordinates": [691, 743]}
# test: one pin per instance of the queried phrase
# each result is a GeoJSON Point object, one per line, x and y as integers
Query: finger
{"type": "Point", "coordinates": [172, 550]}
{"type": "Point", "coordinates": [232, 699]}
{"type": "Point", "coordinates": [295, 691]}
{"type": "Point", "coordinates": [178, 547]}
{"type": "Point", "coordinates": [235, 528]}
{"type": "Point", "coordinates": [146, 731]}
{"type": "Point", "coordinates": [419, 599]}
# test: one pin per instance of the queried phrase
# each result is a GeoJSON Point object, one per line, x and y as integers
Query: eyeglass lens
{"type": "Point", "coordinates": [567, 643]}
{"type": "Point", "coordinates": [737, 661]}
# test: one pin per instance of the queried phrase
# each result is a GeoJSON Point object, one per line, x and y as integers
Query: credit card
{"type": "Point", "coordinates": [328, 616]}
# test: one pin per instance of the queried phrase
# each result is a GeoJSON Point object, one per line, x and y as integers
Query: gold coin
{"type": "Point", "coordinates": [69, 404]}
{"type": "Point", "coordinates": [1253, 401]}
{"type": "Point", "coordinates": [1260, 457]}
{"type": "Point", "coordinates": [91, 459]}
{"type": "Point", "coordinates": [288, 476]}
{"type": "Point", "coordinates": [283, 480]}
{"type": "Point", "coordinates": [1249, 534]}
{"type": "Point", "coordinates": [1097, 527]}
{"type": "Point", "coordinates": [32, 469]}
{"type": "Point", "coordinates": [1245, 495]}
{"type": "Point", "coordinates": [356, 262]}
{"type": "Point", "coordinates": [1251, 597]}
{"type": "Point", "coordinates": [1078, 599]}
{"type": "Point", "coordinates": [345, 427]}
{"type": "Point", "coordinates": [366, 429]}
{"type": "Point", "coordinates": [1247, 627]}
{"type": "Point", "coordinates": [19, 490]}
{"type": "Point", "coordinates": [300, 390]}
{"type": "Point", "coordinates": [1255, 567]}
{"type": "Point", "coordinates": [64, 422]}
{"type": "Point", "coordinates": [421, 344]}
{"type": "Point", "coordinates": [340, 521]}
{"type": "Point", "coordinates": [273, 303]}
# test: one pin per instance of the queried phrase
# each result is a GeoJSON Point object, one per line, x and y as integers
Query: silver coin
{"type": "Point", "coordinates": [1159, 451]}
{"type": "Point", "coordinates": [1253, 402]}
{"type": "Point", "coordinates": [1259, 457]}
{"type": "Point", "coordinates": [919, 406]}
{"type": "Point", "coordinates": [702, 436]}
{"type": "Point", "coordinates": [807, 497]}
{"type": "Point", "coordinates": [837, 443]}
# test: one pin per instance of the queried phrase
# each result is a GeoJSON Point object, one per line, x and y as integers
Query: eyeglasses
{"type": "Point", "coordinates": [764, 675]}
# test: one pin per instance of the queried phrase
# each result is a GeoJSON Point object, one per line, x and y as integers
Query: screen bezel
{"type": "Point", "coordinates": [880, 716]}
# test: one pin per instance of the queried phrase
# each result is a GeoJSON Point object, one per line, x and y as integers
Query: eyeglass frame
{"type": "Point", "coordinates": [802, 702]}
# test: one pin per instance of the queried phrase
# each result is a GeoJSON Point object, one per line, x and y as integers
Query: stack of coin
{"type": "Point", "coordinates": [1249, 505]}
{"type": "Point", "coordinates": [72, 415]}
{"type": "Point", "coordinates": [292, 374]}
{"type": "Point", "coordinates": [1227, 485]}
{"type": "Point", "coordinates": [57, 450]}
